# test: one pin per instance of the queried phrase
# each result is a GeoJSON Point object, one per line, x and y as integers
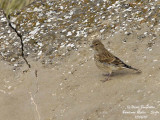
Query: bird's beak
{"type": "Point", "coordinates": [91, 46]}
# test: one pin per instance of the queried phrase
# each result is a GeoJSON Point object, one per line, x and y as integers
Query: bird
{"type": "Point", "coordinates": [106, 61]}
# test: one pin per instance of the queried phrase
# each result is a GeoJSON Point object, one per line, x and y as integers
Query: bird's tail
{"type": "Point", "coordinates": [130, 67]}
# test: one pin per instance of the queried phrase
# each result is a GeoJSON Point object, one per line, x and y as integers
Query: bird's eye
{"type": "Point", "coordinates": [96, 44]}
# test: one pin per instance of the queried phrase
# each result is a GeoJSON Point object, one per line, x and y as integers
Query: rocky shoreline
{"type": "Point", "coordinates": [51, 29]}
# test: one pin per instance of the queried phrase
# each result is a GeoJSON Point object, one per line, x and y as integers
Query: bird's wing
{"type": "Point", "coordinates": [109, 58]}
{"type": "Point", "coordinates": [106, 57]}
{"type": "Point", "coordinates": [119, 63]}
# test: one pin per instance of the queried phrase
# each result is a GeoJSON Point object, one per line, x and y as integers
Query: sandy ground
{"type": "Point", "coordinates": [72, 89]}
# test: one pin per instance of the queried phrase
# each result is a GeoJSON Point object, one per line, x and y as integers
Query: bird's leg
{"type": "Point", "coordinates": [106, 74]}
{"type": "Point", "coordinates": [108, 77]}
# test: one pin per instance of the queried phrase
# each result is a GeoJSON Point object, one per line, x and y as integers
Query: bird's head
{"type": "Point", "coordinates": [97, 45]}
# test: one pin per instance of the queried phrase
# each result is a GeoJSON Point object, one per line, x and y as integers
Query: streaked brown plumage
{"type": "Point", "coordinates": [106, 61]}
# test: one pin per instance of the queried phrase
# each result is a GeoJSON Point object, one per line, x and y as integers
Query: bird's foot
{"type": "Point", "coordinates": [106, 74]}
{"type": "Point", "coordinates": [108, 78]}
{"type": "Point", "coordinates": [138, 71]}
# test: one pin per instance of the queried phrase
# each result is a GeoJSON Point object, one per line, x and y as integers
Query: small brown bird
{"type": "Point", "coordinates": [106, 61]}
